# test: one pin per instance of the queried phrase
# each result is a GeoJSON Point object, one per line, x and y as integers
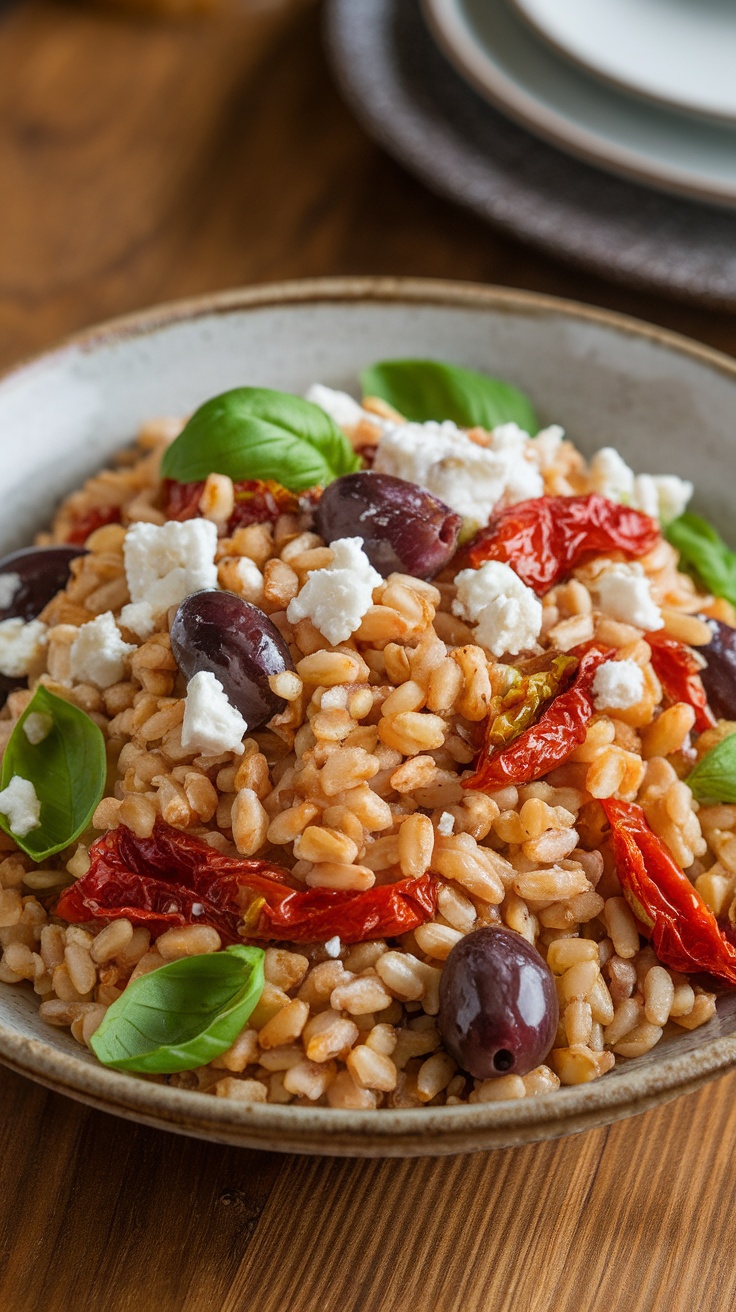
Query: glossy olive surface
{"type": "Point", "coordinates": [403, 528]}
{"type": "Point", "coordinates": [719, 675]}
{"type": "Point", "coordinates": [498, 1004]}
{"type": "Point", "coordinates": [31, 577]}
{"type": "Point", "coordinates": [235, 641]}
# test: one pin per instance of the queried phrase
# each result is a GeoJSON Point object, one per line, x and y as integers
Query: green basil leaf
{"type": "Point", "coordinates": [427, 389]}
{"type": "Point", "coordinates": [254, 432]}
{"type": "Point", "coordinates": [714, 777]}
{"type": "Point", "coordinates": [67, 769]}
{"type": "Point", "coordinates": [704, 552]}
{"type": "Point", "coordinates": [182, 1015]}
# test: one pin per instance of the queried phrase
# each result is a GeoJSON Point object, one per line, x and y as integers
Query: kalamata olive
{"type": "Point", "coordinates": [31, 577]}
{"type": "Point", "coordinates": [719, 675]}
{"type": "Point", "coordinates": [403, 527]}
{"type": "Point", "coordinates": [498, 1004]}
{"type": "Point", "coordinates": [221, 633]}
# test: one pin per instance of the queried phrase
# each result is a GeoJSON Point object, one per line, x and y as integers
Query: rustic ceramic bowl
{"type": "Point", "coordinates": [666, 403]}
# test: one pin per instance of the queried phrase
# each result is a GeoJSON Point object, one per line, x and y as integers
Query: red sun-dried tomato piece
{"type": "Point", "coordinates": [544, 539]}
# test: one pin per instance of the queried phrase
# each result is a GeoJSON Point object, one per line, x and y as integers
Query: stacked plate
{"type": "Point", "coordinates": [642, 91]}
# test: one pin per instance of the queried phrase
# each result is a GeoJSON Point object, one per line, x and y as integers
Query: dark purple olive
{"type": "Point", "coordinates": [498, 1004]}
{"type": "Point", "coordinates": [719, 675]}
{"type": "Point", "coordinates": [403, 527]}
{"type": "Point", "coordinates": [221, 633]}
{"type": "Point", "coordinates": [31, 577]}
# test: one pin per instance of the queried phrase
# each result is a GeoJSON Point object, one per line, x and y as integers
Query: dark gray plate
{"type": "Point", "coordinates": [410, 99]}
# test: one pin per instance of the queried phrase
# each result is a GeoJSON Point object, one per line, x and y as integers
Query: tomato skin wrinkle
{"type": "Point", "coordinates": [174, 878]}
{"type": "Point", "coordinates": [677, 670]}
{"type": "Point", "coordinates": [548, 743]}
{"type": "Point", "coordinates": [256, 502]}
{"type": "Point", "coordinates": [544, 539]}
{"type": "Point", "coordinates": [684, 933]}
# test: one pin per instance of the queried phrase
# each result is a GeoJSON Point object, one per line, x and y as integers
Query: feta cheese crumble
{"type": "Point", "coordinates": [99, 652]}
{"type": "Point", "coordinates": [623, 592]}
{"type": "Point", "coordinates": [211, 724]}
{"type": "Point", "coordinates": [335, 599]}
{"type": "Point", "coordinates": [20, 805]}
{"type": "Point", "coordinates": [9, 584]}
{"type": "Point", "coordinates": [469, 478]}
{"type": "Point", "coordinates": [618, 685]}
{"type": "Point", "coordinates": [663, 496]}
{"type": "Point", "coordinates": [37, 726]}
{"type": "Point", "coordinates": [446, 824]}
{"type": "Point", "coordinates": [21, 645]}
{"type": "Point", "coordinates": [343, 408]}
{"type": "Point", "coordinates": [163, 564]}
{"type": "Point", "coordinates": [333, 947]}
{"type": "Point", "coordinates": [507, 614]}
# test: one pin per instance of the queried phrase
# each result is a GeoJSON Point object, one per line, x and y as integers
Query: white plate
{"type": "Point", "coordinates": [681, 53]}
{"type": "Point", "coordinates": [495, 50]}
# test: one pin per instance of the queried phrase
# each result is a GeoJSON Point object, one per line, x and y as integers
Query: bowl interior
{"type": "Point", "coordinates": [665, 404]}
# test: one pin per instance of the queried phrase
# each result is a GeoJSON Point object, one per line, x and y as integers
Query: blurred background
{"type": "Point", "coordinates": [153, 149]}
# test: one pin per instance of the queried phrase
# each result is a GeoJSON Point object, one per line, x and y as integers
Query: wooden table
{"type": "Point", "coordinates": [142, 161]}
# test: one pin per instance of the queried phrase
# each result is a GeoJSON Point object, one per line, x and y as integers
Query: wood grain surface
{"type": "Point", "coordinates": [141, 161]}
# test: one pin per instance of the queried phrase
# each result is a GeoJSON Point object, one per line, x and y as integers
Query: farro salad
{"type": "Point", "coordinates": [370, 755]}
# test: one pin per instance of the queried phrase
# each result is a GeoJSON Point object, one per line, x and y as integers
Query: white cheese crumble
{"type": "Point", "coordinates": [333, 947]}
{"type": "Point", "coordinates": [37, 726]}
{"type": "Point", "coordinates": [623, 592]}
{"type": "Point", "coordinates": [9, 584]}
{"type": "Point", "coordinates": [446, 824]}
{"type": "Point", "coordinates": [20, 805]}
{"type": "Point", "coordinates": [663, 496]}
{"type": "Point", "coordinates": [211, 724]}
{"type": "Point", "coordinates": [335, 599]}
{"type": "Point", "coordinates": [343, 408]}
{"type": "Point", "coordinates": [163, 565]}
{"type": "Point", "coordinates": [21, 645]}
{"type": "Point", "coordinates": [469, 478]}
{"type": "Point", "coordinates": [506, 612]}
{"type": "Point", "coordinates": [618, 685]}
{"type": "Point", "coordinates": [98, 653]}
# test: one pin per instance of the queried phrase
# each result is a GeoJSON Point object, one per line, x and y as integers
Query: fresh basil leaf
{"type": "Point", "coordinates": [703, 551]}
{"type": "Point", "coordinates": [182, 1015]}
{"type": "Point", "coordinates": [714, 777]}
{"type": "Point", "coordinates": [67, 769]}
{"type": "Point", "coordinates": [427, 389]}
{"type": "Point", "coordinates": [254, 432]}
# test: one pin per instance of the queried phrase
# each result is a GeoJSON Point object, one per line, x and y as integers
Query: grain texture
{"type": "Point", "coordinates": [142, 161]}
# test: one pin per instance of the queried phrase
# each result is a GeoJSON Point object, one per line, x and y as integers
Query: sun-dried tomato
{"type": "Point", "coordinates": [685, 934]}
{"type": "Point", "coordinates": [543, 540]}
{"type": "Point", "coordinates": [256, 502]}
{"type": "Point", "coordinates": [561, 728]}
{"type": "Point", "coordinates": [91, 520]}
{"type": "Point", "coordinates": [679, 674]}
{"type": "Point", "coordinates": [173, 879]}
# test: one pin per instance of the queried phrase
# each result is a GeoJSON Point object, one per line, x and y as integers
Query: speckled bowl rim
{"type": "Point", "coordinates": [428, 1131]}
